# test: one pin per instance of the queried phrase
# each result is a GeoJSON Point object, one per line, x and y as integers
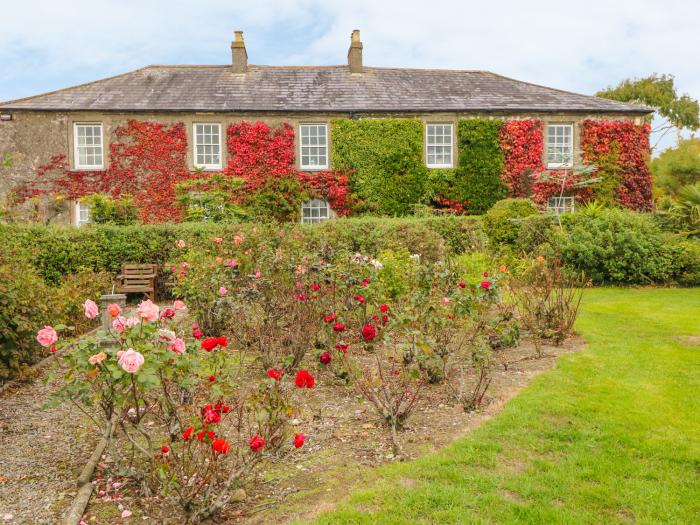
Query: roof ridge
{"type": "Point", "coordinates": [23, 99]}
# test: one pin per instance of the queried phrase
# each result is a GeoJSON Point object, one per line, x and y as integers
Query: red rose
{"type": "Point", "coordinates": [304, 379]}
{"type": "Point", "coordinates": [257, 443]}
{"type": "Point", "coordinates": [299, 440]}
{"type": "Point", "coordinates": [485, 285]}
{"type": "Point", "coordinates": [329, 318]}
{"type": "Point", "coordinates": [220, 446]}
{"type": "Point", "coordinates": [211, 415]}
{"type": "Point", "coordinates": [325, 358]}
{"type": "Point", "coordinates": [338, 327]}
{"type": "Point", "coordinates": [359, 299]}
{"type": "Point", "coordinates": [365, 282]}
{"type": "Point", "coordinates": [165, 449]}
{"type": "Point", "coordinates": [210, 343]}
{"type": "Point", "coordinates": [385, 319]}
{"type": "Point", "coordinates": [369, 332]}
{"type": "Point", "coordinates": [222, 342]}
{"type": "Point", "coordinates": [315, 287]}
{"type": "Point", "coordinates": [187, 434]}
{"type": "Point", "coordinates": [342, 347]}
{"type": "Point", "coordinates": [168, 314]}
{"type": "Point", "coordinates": [274, 374]}
{"type": "Point", "coordinates": [462, 284]}
{"type": "Point", "coordinates": [205, 433]}
{"type": "Point", "coordinates": [197, 334]}
{"type": "Point", "coordinates": [486, 274]}
{"type": "Point", "coordinates": [212, 378]}
{"type": "Point", "coordinates": [225, 409]}
{"type": "Point", "coordinates": [384, 308]}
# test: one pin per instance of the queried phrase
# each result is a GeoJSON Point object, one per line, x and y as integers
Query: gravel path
{"type": "Point", "coordinates": [41, 453]}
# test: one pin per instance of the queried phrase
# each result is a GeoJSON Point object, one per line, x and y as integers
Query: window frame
{"type": "Point", "coordinates": [195, 144]}
{"type": "Point", "coordinates": [568, 204]}
{"type": "Point", "coordinates": [77, 208]}
{"type": "Point", "coordinates": [316, 167]}
{"type": "Point", "coordinates": [320, 218]}
{"type": "Point", "coordinates": [451, 145]}
{"type": "Point", "coordinates": [570, 162]}
{"type": "Point", "coordinates": [76, 146]}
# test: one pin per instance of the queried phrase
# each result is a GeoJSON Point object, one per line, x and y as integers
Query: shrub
{"type": "Point", "coordinates": [56, 251]}
{"type": "Point", "coordinates": [105, 209]}
{"type": "Point", "coordinates": [502, 223]}
{"type": "Point", "coordinates": [27, 303]}
{"type": "Point", "coordinates": [616, 246]}
{"type": "Point", "coordinates": [686, 261]}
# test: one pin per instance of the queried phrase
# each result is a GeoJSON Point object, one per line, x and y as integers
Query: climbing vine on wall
{"type": "Point", "coordinates": [385, 160]}
{"type": "Point", "coordinates": [147, 160]}
{"type": "Point", "coordinates": [624, 147]}
{"type": "Point", "coordinates": [522, 145]}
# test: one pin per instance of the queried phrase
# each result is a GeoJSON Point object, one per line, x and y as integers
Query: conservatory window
{"type": "Point", "coordinates": [315, 211]}
{"type": "Point", "coordinates": [82, 214]}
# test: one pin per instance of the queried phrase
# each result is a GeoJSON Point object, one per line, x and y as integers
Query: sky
{"type": "Point", "coordinates": [578, 46]}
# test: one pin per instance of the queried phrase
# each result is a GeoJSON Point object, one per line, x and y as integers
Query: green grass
{"type": "Point", "coordinates": [611, 435]}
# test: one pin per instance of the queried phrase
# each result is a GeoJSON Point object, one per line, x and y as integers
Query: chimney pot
{"type": "Point", "coordinates": [355, 52]}
{"type": "Point", "coordinates": [239, 55]}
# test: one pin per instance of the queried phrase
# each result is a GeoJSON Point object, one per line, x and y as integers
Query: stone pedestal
{"type": "Point", "coordinates": [105, 301]}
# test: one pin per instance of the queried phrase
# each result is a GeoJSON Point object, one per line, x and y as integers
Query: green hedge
{"type": "Point", "coordinates": [56, 251]}
{"type": "Point", "coordinates": [386, 158]}
{"type": "Point", "coordinates": [612, 246]}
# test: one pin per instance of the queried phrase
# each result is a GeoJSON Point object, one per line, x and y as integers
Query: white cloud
{"type": "Point", "coordinates": [579, 46]}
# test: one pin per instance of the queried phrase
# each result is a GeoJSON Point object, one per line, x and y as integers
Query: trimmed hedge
{"type": "Point", "coordinates": [56, 251]}
{"type": "Point", "coordinates": [502, 223]}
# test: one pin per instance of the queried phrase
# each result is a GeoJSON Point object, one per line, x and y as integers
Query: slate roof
{"type": "Point", "coordinates": [315, 89]}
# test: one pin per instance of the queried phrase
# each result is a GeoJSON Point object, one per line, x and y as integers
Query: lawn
{"type": "Point", "coordinates": [611, 435]}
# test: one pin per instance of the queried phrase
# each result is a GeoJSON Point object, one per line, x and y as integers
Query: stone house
{"type": "Point", "coordinates": [79, 122]}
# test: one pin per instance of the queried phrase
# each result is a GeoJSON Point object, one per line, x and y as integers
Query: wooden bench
{"type": "Point", "coordinates": [138, 278]}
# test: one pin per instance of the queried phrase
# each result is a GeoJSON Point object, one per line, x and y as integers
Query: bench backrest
{"type": "Point", "coordinates": [138, 270]}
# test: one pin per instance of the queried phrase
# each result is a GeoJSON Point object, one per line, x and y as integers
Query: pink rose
{"type": "Point", "coordinates": [446, 300]}
{"type": "Point", "coordinates": [119, 324]}
{"type": "Point", "coordinates": [148, 310]}
{"type": "Point", "coordinates": [97, 358]}
{"type": "Point", "coordinates": [132, 321]}
{"type": "Point", "coordinates": [91, 309]}
{"type": "Point", "coordinates": [223, 291]}
{"type": "Point", "coordinates": [47, 336]}
{"type": "Point", "coordinates": [258, 274]}
{"type": "Point", "coordinates": [232, 263]}
{"type": "Point", "coordinates": [130, 360]}
{"type": "Point", "coordinates": [179, 305]}
{"type": "Point", "coordinates": [177, 346]}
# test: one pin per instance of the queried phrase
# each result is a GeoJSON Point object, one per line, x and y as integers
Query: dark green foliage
{"type": "Point", "coordinates": [57, 251]}
{"type": "Point", "coordinates": [279, 199]}
{"type": "Point", "coordinates": [477, 180]}
{"type": "Point", "coordinates": [108, 210]}
{"type": "Point", "coordinates": [617, 246]}
{"type": "Point", "coordinates": [502, 223]}
{"type": "Point", "coordinates": [386, 158]}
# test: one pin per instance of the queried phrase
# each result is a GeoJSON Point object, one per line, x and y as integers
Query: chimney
{"type": "Point", "coordinates": [239, 56]}
{"type": "Point", "coordinates": [355, 52]}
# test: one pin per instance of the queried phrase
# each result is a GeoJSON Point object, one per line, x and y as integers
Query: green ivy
{"type": "Point", "coordinates": [477, 181]}
{"type": "Point", "coordinates": [386, 158]}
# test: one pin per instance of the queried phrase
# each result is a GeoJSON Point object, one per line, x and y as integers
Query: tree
{"type": "Point", "coordinates": [659, 92]}
{"type": "Point", "coordinates": [677, 167]}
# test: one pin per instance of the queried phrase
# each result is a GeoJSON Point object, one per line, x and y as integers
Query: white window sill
{"type": "Point", "coordinates": [88, 168]}
{"type": "Point", "coordinates": [559, 166]}
{"type": "Point", "coordinates": [209, 168]}
{"type": "Point", "coordinates": [313, 168]}
{"type": "Point", "coordinates": [439, 166]}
